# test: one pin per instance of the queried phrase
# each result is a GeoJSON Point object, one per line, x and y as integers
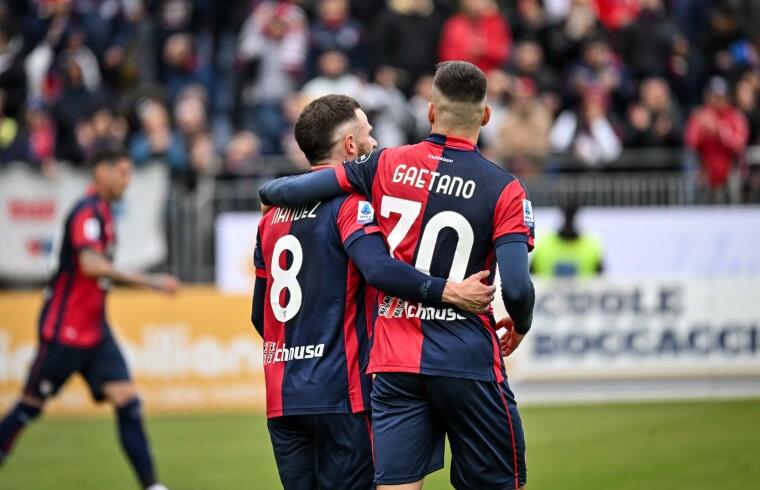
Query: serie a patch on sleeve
{"type": "Point", "coordinates": [92, 229]}
{"type": "Point", "coordinates": [528, 213]}
{"type": "Point", "coordinates": [365, 214]}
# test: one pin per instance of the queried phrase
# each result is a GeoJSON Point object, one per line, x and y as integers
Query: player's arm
{"type": "Point", "coordinates": [513, 240]}
{"type": "Point", "coordinates": [257, 309]}
{"type": "Point", "coordinates": [260, 286]}
{"type": "Point", "coordinates": [300, 190]}
{"type": "Point", "coordinates": [95, 264]}
{"type": "Point", "coordinates": [370, 255]}
{"type": "Point", "coordinates": [516, 286]}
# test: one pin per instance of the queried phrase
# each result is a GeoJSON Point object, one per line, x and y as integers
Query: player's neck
{"type": "Point", "coordinates": [325, 164]}
{"type": "Point", "coordinates": [101, 192]}
{"type": "Point", "coordinates": [458, 133]}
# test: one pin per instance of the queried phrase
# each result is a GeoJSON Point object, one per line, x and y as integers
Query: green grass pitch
{"type": "Point", "coordinates": [684, 445]}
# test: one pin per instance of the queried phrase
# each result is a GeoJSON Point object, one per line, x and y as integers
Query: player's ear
{"type": "Point", "coordinates": [486, 115]}
{"type": "Point", "coordinates": [349, 146]}
{"type": "Point", "coordinates": [431, 113]}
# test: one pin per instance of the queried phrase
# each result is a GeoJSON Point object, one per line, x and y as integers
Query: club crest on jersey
{"type": "Point", "coordinates": [365, 214]}
{"type": "Point", "coordinates": [528, 213]}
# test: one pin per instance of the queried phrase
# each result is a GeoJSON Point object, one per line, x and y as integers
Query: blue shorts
{"type": "Point", "coordinates": [412, 414]}
{"type": "Point", "coordinates": [55, 363]}
{"type": "Point", "coordinates": [330, 451]}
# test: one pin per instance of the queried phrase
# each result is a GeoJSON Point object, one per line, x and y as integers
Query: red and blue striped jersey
{"type": "Point", "coordinates": [443, 208]}
{"type": "Point", "coordinates": [74, 312]}
{"type": "Point", "coordinates": [316, 321]}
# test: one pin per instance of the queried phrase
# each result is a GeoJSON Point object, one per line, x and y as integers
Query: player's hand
{"type": "Point", "coordinates": [511, 339]}
{"type": "Point", "coordinates": [471, 294]}
{"type": "Point", "coordinates": [164, 283]}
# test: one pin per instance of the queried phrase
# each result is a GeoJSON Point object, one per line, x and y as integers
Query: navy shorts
{"type": "Point", "coordinates": [412, 414]}
{"type": "Point", "coordinates": [55, 363]}
{"type": "Point", "coordinates": [330, 451]}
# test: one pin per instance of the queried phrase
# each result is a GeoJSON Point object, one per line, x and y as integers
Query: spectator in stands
{"type": "Point", "coordinates": [41, 132]}
{"type": "Point", "coordinates": [103, 124]}
{"type": "Point", "coordinates": [271, 52]}
{"type": "Point", "coordinates": [334, 78]}
{"type": "Point", "coordinates": [182, 67]}
{"type": "Point", "coordinates": [498, 93]}
{"type": "Point", "coordinates": [600, 67]}
{"type": "Point", "coordinates": [423, 93]}
{"type": "Point", "coordinates": [334, 30]}
{"type": "Point", "coordinates": [615, 14]}
{"type": "Point", "coordinates": [524, 133]}
{"type": "Point", "coordinates": [12, 74]}
{"type": "Point", "coordinates": [405, 36]}
{"type": "Point", "coordinates": [76, 103]}
{"type": "Point", "coordinates": [747, 96]}
{"type": "Point", "coordinates": [479, 33]}
{"type": "Point", "coordinates": [721, 43]}
{"type": "Point", "coordinates": [387, 108]}
{"type": "Point", "coordinates": [190, 114]}
{"type": "Point", "coordinates": [528, 62]}
{"type": "Point", "coordinates": [587, 132]}
{"type": "Point", "coordinates": [201, 155]}
{"type": "Point", "coordinates": [13, 144]}
{"type": "Point", "coordinates": [566, 39]}
{"type": "Point", "coordinates": [654, 120]}
{"type": "Point", "coordinates": [646, 43]}
{"type": "Point", "coordinates": [242, 155]}
{"type": "Point", "coordinates": [155, 141]}
{"type": "Point", "coordinates": [718, 133]}
{"type": "Point", "coordinates": [568, 252]}
{"type": "Point", "coordinates": [530, 22]}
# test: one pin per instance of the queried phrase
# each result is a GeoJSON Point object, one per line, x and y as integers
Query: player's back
{"type": "Point", "coordinates": [443, 208]}
{"type": "Point", "coordinates": [315, 324]}
{"type": "Point", "coordinates": [74, 310]}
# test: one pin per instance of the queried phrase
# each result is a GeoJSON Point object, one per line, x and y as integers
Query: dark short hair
{"type": "Point", "coordinates": [105, 151]}
{"type": "Point", "coordinates": [460, 81]}
{"type": "Point", "coordinates": [316, 125]}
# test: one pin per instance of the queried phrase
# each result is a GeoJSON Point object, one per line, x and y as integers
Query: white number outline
{"type": "Point", "coordinates": [286, 279]}
{"type": "Point", "coordinates": [409, 211]}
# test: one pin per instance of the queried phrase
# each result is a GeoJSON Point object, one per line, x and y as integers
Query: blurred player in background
{"type": "Point", "coordinates": [73, 327]}
{"type": "Point", "coordinates": [568, 252]}
{"type": "Point", "coordinates": [310, 307]}
{"type": "Point", "coordinates": [451, 212]}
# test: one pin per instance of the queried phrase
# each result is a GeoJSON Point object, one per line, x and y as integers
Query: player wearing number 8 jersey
{"type": "Point", "coordinates": [446, 209]}
{"type": "Point", "coordinates": [309, 307]}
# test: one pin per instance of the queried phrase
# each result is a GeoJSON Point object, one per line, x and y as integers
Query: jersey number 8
{"type": "Point", "coordinates": [286, 279]}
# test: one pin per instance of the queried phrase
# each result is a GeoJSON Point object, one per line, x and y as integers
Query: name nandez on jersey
{"type": "Point", "coordinates": [273, 353]}
{"type": "Point", "coordinates": [284, 215]}
{"type": "Point", "coordinates": [392, 307]}
{"type": "Point", "coordinates": [422, 178]}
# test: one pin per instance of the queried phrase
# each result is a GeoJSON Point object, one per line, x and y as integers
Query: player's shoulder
{"type": "Point", "coordinates": [85, 205]}
{"type": "Point", "coordinates": [354, 203]}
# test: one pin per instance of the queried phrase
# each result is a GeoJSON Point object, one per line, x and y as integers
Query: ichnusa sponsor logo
{"type": "Point", "coordinates": [392, 307]}
{"type": "Point", "coordinates": [273, 353]}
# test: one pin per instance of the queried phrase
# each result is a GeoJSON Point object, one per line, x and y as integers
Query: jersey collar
{"type": "Point", "coordinates": [451, 142]}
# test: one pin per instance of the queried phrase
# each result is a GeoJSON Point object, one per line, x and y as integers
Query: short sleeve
{"type": "Point", "coordinates": [258, 255]}
{"type": "Point", "coordinates": [359, 175]}
{"type": "Point", "coordinates": [86, 230]}
{"type": "Point", "coordinates": [356, 218]}
{"type": "Point", "coordinates": [513, 216]}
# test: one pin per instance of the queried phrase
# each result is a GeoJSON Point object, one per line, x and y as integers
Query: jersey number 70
{"type": "Point", "coordinates": [409, 212]}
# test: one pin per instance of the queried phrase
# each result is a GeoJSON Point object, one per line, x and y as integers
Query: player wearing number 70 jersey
{"type": "Point", "coordinates": [309, 307]}
{"type": "Point", "coordinates": [446, 209]}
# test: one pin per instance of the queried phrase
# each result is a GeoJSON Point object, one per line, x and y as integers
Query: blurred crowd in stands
{"type": "Point", "coordinates": [213, 86]}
